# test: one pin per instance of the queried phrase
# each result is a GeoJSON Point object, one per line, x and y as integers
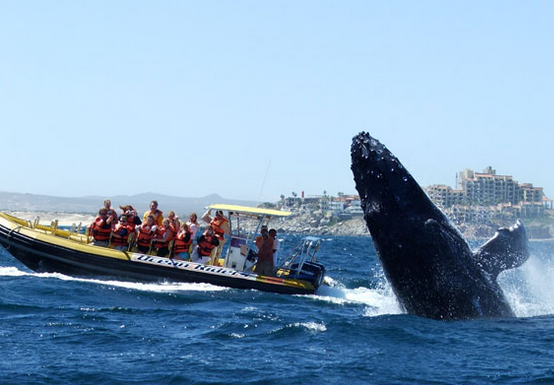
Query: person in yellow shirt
{"type": "Point", "coordinates": [157, 214]}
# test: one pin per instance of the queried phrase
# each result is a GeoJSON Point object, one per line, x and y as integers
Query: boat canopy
{"type": "Point", "coordinates": [254, 211]}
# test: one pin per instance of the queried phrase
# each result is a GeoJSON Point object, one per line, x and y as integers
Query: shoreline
{"type": "Point", "coordinates": [304, 223]}
{"type": "Point", "coordinates": [46, 217]}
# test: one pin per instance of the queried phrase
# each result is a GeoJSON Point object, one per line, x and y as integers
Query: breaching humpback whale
{"type": "Point", "coordinates": [430, 266]}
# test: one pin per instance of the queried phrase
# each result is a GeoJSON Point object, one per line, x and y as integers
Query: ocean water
{"type": "Point", "coordinates": [56, 329]}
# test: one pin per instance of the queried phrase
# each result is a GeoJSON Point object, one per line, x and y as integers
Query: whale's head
{"type": "Point", "coordinates": [387, 190]}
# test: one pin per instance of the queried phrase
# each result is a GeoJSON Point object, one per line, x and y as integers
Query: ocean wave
{"type": "Point", "coordinates": [311, 326]}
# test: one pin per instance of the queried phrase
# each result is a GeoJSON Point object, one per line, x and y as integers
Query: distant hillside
{"type": "Point", "coordinates": [91, 204]}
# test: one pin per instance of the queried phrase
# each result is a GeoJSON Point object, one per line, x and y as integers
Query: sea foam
{"type": "Point", "coordinates": [162, 287]}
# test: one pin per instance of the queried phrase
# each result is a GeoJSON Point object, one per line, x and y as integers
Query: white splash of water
{"type": "Point", "coordinates": [11, 272]}
{"type": "Point", "coordinates": [162, 287]}
{"type": "Point", "coordinates": [377, 301]}
{"type": "Point", "coordinates": [530, 288]}
{"type": "Point", "coordinates": [312, 326]}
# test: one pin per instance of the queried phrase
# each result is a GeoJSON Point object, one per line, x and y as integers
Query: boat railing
{"type": "Point", "coordinates": [305, 250]}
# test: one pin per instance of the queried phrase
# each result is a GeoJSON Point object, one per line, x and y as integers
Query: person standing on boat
{"type": "Point", "coordinates": [193, 224]}
{"type": "Point", "coordinates": [276, 245]}
{"type": "Point", "coordinates": [146, 232]}
{"type": "Point", "coordinates": [157, 214]}
{"type": "Point", "coordinates": [111, 211]}
{"type": "Point", "coordinates": [207, 242]}
{"type": "Point", "coordinates": [264, 243]}
{"type": "Point", "coordinates": [183, 243]}
{"type": "Point", "coordinates": [220, 225]}
{"type": "Point", "coordinates": [101, 228]}
{"type": "Point", "coordinates": [120, 235]}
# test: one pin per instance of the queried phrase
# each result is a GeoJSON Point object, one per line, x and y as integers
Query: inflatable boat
{"type": "Point", "coordinates": [47, 248]}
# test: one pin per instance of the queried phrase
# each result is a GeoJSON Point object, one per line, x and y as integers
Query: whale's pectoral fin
{"type": "Point", "coordinates": [507, 249]}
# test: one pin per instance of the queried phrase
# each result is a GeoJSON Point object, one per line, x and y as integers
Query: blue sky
{"type": "Point", "coordinates": [254, 99]}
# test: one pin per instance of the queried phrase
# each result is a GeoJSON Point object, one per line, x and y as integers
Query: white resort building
{"type": "Point", "coordinates": [481, 197]}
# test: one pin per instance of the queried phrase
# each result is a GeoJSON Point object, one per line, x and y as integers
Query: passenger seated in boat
{"type": "Point", "coordinates": [220, 226]}
{"type": "Point", "coordinates": [120, 235]}
{"type": "Point", "coordinates": [173, 221]}
{"type": "Point", "coordinates": [162, 237]}
{"type": "Point", "coordinates": [182, 243]}
{"type": "Point", "coordinates": [157, 214]}
{"type": "Point", "coordinates": [101, 228]}
{"type": "Point", "coordinates": [146, 232]}
{"type": "Point", "coordinates": [207, 242]}
{"type": "Point", "coordinates": [132, 216]}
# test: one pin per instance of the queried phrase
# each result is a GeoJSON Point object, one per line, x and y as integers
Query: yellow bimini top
{"type": "Point", "coordinates": [254, 211]}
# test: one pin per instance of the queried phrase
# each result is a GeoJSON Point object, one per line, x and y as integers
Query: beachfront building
{"type": "Point", "coordinates": [336, 207]}
{"type": "Point", "coordinates": [342, 207]}
{"type": "Point", "coordinates": [488, 188]}
{"type": "Point", "coordinates": [480, 197]}
{"type": "Point", "coordinates": [355, 208]}
{"type": "Point", "coordinates": [530, 194]}
{"type": "Point", "coordinates": [445, 196]}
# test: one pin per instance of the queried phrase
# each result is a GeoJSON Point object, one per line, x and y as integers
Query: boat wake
{"type": "Point", "coordinates": [162, 287]}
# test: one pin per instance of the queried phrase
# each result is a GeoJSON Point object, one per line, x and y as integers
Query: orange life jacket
{"type": "Point", "coordinates": [174, 226]}
{"type": "Point", "coordinates": [159, 240]}
{"type": "Point", "coordinates": [145, 235]}
{"type": "Point", "coordinates": [131, 221]}
{"type": "Point", "coordinates": [205, 245]}
{"type": "Point", "coordinates": [101, 230]}
{"type": "Point", "coordinates": [180, 246]}
{"type": "Point", "coordinates": [216, 224]}
{"type": "Point", "coordinates": [158, 217]}
{"type": "Point", "coordinates": [124, 234]}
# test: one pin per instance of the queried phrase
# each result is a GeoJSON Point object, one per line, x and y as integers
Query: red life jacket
{"type": "Point", "coordinates": [145, 235]}
{"type": "Point", "coordinates": [180, 246]}
{"type": "Point", "coordinates": [124, 234]}
{"type": "Point", "coordinates": [131, 221]}
{"type": "Point", "coordinates": [159, 240]}
{"type": "Point", "coordinates": [174, 226]}
{"type": "Point", "coordinates": [101, 230]}
{"type": "Point", "coordinates": [205, 246]}
{"type": "Point", "coordinates": [216, 224]}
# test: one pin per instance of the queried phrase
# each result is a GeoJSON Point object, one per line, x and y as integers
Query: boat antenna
{"type": "Point", "coordinates": [263, 183]}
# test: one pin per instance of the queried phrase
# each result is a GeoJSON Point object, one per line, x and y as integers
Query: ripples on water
{"type": "Point", "coordinates": [56, 329]}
